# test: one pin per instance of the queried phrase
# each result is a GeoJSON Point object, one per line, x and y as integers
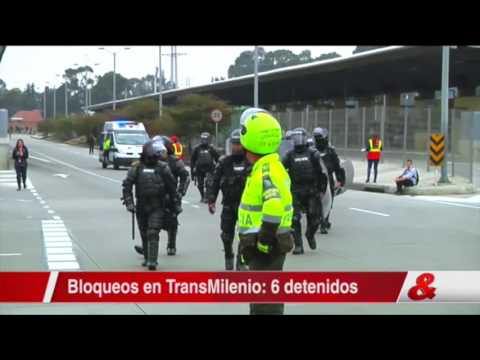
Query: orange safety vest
{"type": "Point", "coordinates": [178, 148]}
{"type": "Point", "coordinates": [374, 152]}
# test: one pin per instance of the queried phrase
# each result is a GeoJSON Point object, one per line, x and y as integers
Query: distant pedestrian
{"type": "Point", "coordinates": [91, 144]}
{"type": "Point", "coordinates": [20, 155]}
{"type": "Point", "coordinates": [374, 151]}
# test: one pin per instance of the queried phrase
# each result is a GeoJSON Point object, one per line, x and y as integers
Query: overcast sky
{"type": "Point", "coordinates": [38, 64]}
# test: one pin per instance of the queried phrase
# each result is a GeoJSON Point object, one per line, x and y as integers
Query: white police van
{"type": "Point", "coordinates": [127, 139]}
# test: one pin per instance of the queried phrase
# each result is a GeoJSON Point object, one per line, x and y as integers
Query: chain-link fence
{"type": "Point", "coordinates": [405, 132]}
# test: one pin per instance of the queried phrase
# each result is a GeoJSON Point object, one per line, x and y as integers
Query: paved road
{"type": "Point", "coordinates": [74, 196]}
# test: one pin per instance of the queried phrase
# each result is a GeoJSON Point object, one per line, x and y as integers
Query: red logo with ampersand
{"type": "Point", "coordinates": [422, 290]}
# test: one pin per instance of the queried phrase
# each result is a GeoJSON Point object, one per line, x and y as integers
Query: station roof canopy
{"type": "Point", "coordinates": [387, 70]}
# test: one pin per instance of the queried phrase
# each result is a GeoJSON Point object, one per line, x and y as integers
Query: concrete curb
{"type": "Point", "coordinates": [421, 190]}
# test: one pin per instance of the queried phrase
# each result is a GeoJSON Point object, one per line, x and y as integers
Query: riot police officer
{"type": "Point", "coordinates": [153, 180]}
{"type": "Point", "coordinates": [202, 165]}
{"type": "Point", "coordinates": [308, 183]}
{"type": "Point", "coordinates": [229, 177]}
{"type": "Point", "coordinates": [332, 163]}
{"type": "Point", "coordinates": [182, 178]}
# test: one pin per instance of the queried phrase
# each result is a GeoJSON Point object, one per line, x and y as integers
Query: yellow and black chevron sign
{"type": "Point", "coordinates": [437, 149]}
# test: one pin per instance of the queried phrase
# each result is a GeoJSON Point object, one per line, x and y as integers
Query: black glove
{"type": "Point", "coordinates": [267, 237]}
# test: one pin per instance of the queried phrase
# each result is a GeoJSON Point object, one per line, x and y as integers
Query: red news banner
{"type": "Point", "coordinates": [201, 287]}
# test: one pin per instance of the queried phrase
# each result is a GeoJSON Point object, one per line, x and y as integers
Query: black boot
{"type": "Point", "coordinates": [298, 250]}
{"type": "Point", "coordinates": [323, 228]}
{"type": "Point", "coordinates": [143, 251]}
{"type": "Point", "coordinates": [328, 224]}
{"type": "Point", "coordinates": [229, 262]}
{"type": "Point", "coordinates": [19, 185]}
{"type": "Point", "coordinates": [152, 255]}
{"type": "Point", "coordinates": [311, 239]}
{"type": "Point", "coordinates": [24, 185]}
{"type": "Point", "coordinates": [227, 240]}
{"type": "Point", "coordinates": [152, 249]}
{"type": "Point", "coordinates": [172, 241]}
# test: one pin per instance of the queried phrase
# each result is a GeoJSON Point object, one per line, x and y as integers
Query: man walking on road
{"type": "Point", "coordinates": [265, 211]}
{"type": "Point", "coordinates": [91, 144]}
{"type": "Point", "coordinates": [153, 181]}
{"type": "Point", "coordinates": [204, 159]}
{"type": "Point", "coordinates": [309, 182]}
{"type": "Point", "coordinates": [229, 177]}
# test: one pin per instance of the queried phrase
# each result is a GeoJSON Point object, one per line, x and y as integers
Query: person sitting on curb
{"type": "Point", "coordinates": [408, 178]}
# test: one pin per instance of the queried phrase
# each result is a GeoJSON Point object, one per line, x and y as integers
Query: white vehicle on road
{"type": "Point", "coordinates": [127, 139]}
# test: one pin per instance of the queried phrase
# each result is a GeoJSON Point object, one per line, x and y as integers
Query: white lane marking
{"type": "Point", "coordinates": [185, 202]}
{"type": "Point", "coordinates": [60, 250]}
{"type": "Point", "coordinates": [56, 217]}
{"type": "Point", "coordinates": [63, 265]}
{"type": "Point", "coordinates": [471, 199]}
{"type": "Point", "coordinates": [60, 257]}
{"type": "Point", "coordinates": [7, 172]}
{"type": "Point", "coordinates": [459, 205]}
{"type": "Point", "coordinates": [196, 206]}
{"type": "Point", "coordinates": [46, 207]}
{"type": "Point", "coordinates": [42, 202]}
{"type": "Point", "coordinates": [51, 212]}
{"type": "Point", "coordinates": [52, 281]}
{"type": "Point", "coordinates": [11, 254]}
{"type": "Point", "coordinates": [40, 159]}
{"type": "Point", "coordinates": [369, 212]}
{"type": "Point", "coordinates": [64, 176]}
{"type": "Point", "coordinates": [80, 169]}
{"type": "Point", "coordinates": [21, 200]}
{"type": "Point", "coordinates": [59, 244]}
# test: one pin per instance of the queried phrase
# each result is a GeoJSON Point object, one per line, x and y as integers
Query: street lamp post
{"type": "Point", "coordinates": [255, 84]}
{"type": "Point", "coordinates": [160, 85]}
{"type": "Point", "coordinates": [114, 73]}
{"type": "Point", "coordinates": [45, 103]}
{"type": "Point", "coordinates": [444, 108]}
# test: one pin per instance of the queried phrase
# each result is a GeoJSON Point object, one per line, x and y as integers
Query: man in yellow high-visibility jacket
{"type": "Point", "coordinates": [265, 211]}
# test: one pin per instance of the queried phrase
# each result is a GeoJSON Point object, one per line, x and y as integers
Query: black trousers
{"type": "Point", "coordinates": [21, 170]}
{"type": "Point", "coordinates": [403, 183]}
{"type": "Point", "coordinates": [91, 148]}
{"type": "Point", "coordinates": [105, 155]}
{"type": "Point", "coordinates": [228, 219]}
{"type": "Point", "coordinates": [202, 176]}
{"type": "Point", "coordinates": [310, 204]}
{"type": "Point", "coordinates": [262, 262]}
{"type": "Point", "coordinates": [375, 169]}
{"type": "Point", "coordinates": [150, 222]}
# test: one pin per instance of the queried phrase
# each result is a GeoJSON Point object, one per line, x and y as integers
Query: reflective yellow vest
{"type": "Point", "coordinates": [266, 197]}
{"type": "Point", "coordinates": [178, 148]}
{"type": "Point", "coordinates": [106, 144]}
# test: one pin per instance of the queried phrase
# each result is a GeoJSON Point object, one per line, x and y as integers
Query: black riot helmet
{"type": "Point", "coordinates": [236, 147]}
{"type": "Point", "coordinates": [321, 138]}
{"type": "Point", "coordinates": [299, 138]}
{"type": "Point", "coordinates": [168, 144]}
{"type": "Point", "coordinates": [150, 154]}
{"type": "Point", "coordinates": [235, 136]}
{"type": "Point", "coordinates": [205, 138]}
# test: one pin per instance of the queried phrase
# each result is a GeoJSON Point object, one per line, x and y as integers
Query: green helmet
{"type": "Point", "coordinates": [261, 133]}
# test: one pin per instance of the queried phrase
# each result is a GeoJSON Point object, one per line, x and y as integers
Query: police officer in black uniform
{"type": "Point", "coordinates": [229, 177]}
{"type": "Point", "coordinates": [204, 159]}
{"type": "Point", "coordinates": [332, 163]}
{"type": "Point", "coordinates": [308, 183]}
{"type": "Point", "coordinates": [153, 180]}
{"type": "Point", "coordinates": [182, 178]}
